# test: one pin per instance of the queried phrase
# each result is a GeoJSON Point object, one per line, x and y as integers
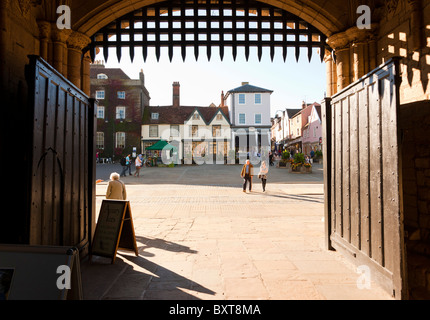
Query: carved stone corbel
{"type": "Point", "coordinates": [25, 5]}
{"type": "Point", "coordinates": [75, 43]}
{"type": "Point", "coordinates": [44, 36]}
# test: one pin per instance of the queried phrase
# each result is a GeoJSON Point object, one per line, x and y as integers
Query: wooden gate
{"type": "Point", "coordinates": [62, 189]}
{"type": "Point", "coordinates": [363, 203]}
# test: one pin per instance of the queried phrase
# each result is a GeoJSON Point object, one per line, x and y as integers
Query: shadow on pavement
{"type": "Point", "coordinates": [132, 277]}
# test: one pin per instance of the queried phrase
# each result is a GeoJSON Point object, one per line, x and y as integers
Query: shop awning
{"type": "Point", "coordinates": [162, 145]}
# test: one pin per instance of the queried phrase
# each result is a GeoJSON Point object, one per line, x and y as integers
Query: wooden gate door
{"type": "Point", "coordinates": [62, 125]}
{"type": "Point", "coordinates": [363, 202]}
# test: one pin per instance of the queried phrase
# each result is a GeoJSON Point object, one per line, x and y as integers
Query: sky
{"type": "Point", "coordinates": [202, 81]}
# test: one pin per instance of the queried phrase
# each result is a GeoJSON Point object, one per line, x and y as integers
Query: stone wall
{"type": "Point", "coordinates": [414, 121]}
{"type": "Point", "coordinates": [404, 31]}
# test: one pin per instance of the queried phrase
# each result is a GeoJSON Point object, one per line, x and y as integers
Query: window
{"type": "Point", "coordinates": [121, 94]}
{"type": "Point", "coordinates": [242, 118]}
{"type": "Point", "coordinates": [257, 98]}
{"type": "Point", "coordinates": [216, 131]}
{"type": "Point", "coordinates": [120, 113]}
{"type": "Point", "coordinates": [102, 76]}
{"type": "Point", "coordinates": [120, 140]}
{"type": "Point", "coordinates": [194, 131]}
{"type": "Point", "coordinates": [241, 98]}
{"type": "Point", "coordinates": [100, 112]}
{"type": "Point", "coordinates": [298, 132]}
{"type": "Point", "coordinates": [258, 118]}
{"type": "Point", "coordinates": [100, 140]}
{"type": "Point", "coordinates": [219, 116]}
{"type": "Point", "coordinates": [196, 116]}
{"type": "Point", "coordinates": [154, 116]}
{"type": "Point", "coordinates": [153, 131]}
{"type": "Point", "coordinates": [174, 130]}
{"type": "Point", "coordinates": [100, 94]}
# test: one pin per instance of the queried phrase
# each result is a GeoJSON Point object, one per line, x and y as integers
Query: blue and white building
{"type": "Point", "coordinates": [249, 113]}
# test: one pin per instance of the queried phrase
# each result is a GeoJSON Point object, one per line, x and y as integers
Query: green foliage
{"type": "Point", "coordinates": [285, 154]}
{"type": "Point", "coordinates": [299, 158]}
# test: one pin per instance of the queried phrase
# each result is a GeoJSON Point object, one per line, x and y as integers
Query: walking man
{"type": "Point", "coordinates": [128, 164]}
{"type": "Point", "coordinates": [246, 174]}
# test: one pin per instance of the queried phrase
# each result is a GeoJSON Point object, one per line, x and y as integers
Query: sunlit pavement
{"type": "Point", "coordinates": [200, 237]}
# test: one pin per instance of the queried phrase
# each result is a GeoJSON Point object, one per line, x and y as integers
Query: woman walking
{"type": "Point", "coordinates": [138, 165]}
{"type": "Point", "coordinates": [263, 174]}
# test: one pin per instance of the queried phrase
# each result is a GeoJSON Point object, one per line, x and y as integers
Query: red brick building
{"type": "Point", "coordinates": [121, 102]}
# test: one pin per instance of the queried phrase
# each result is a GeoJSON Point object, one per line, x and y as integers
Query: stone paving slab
{"type": "Point", "coordinates": [216, 242]}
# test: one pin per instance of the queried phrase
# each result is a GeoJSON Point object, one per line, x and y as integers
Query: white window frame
{"type": "Point", "coordinates": [100, 94]}
{"type": "Point", "coordinates": [239, 98]}
{"type": "Point", "coordinates": [192, 133]}
{"type": "Point", "coordinates": [217, 128]}
{"type": "Point", "coordinates": [100, 112]}
{"type": "Point", "coordinates": [120, 113]}
{"type": "Point", "coordinates": [154, 115]}
{"type": "Point", "coordinates": [174, 130]}
{"type": "Point", "coordinates": [255, 98]}
{"type": "Point", "coordinates": [244, 116]}
{"type": "Point", "coordinates": [100, 140]}
{"type": "Point", "coordinates": [151, 133]}
{"type": "Point", "coordinates": [102, 76]}
{"type": "Point", "coordinates": [120, 139]}
{"type": "Point", "coordinates": [261, 120]}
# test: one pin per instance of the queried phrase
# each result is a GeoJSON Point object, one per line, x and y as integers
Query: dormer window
{"type": "Point", "coordinates": [102, 76]}
{"type": "Point", "coordinates": [219, 116]}
{"type": "Point", "coordinates": [196, 116]}
{"type": "Point", "coordinates": [154, 116]}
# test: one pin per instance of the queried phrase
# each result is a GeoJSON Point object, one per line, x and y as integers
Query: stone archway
{"type": "Point", "coordinates": [90, 17]}
{"type": "Point", "coordinates": [355, 50]}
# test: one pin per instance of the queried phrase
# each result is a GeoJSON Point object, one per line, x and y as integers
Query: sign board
{"type": "Point", "coordinates": [114, 230]}
{"type": "Point", "coordinates": [39, 273]}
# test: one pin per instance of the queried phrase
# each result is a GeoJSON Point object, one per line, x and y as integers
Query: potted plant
{"type": "Point", "coordinates": [307, 167]}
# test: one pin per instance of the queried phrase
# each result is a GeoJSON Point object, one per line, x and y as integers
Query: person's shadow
{"type": "Point", "coordinates": [136, 277]}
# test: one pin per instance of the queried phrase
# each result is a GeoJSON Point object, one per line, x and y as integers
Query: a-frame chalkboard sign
{"type": "Point", "coordinates": [114, 230]}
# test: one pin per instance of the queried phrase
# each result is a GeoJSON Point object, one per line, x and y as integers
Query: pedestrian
{"type": "Point", "coordinates": [128, 164]}
{"type": "Point", "coordinates": [123, 163]}
{"type": "Point", "coordinates": [264, 170]}
{"type": "Point", "coordinates": [138, 165]}
{"type": "Point", "coordinates": [246, 174]}
{"type": "Point", "coordinates": [116, 188]}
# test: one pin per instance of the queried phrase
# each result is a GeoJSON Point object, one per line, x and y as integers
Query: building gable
{"type": "Point", "coordinates": [223, 121]}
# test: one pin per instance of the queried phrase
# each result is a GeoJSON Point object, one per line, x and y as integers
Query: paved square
{"type": "Point", "coordinates": [200, 237]}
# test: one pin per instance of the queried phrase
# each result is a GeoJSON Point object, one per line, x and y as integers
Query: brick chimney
{"type": "Point", "coordinates": [176, 87]}
{"type": "Point", "coordinates": [222, 99]}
